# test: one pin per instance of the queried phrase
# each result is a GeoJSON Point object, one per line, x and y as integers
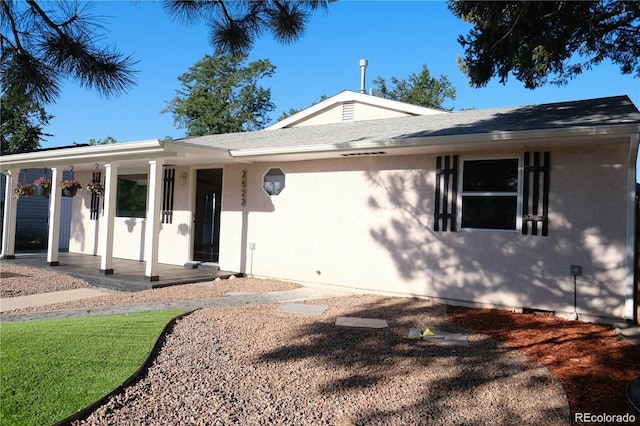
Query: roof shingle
{"type": "Point", "coordinates": [608, 111]}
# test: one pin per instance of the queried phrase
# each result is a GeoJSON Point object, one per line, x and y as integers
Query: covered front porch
{"type": "Point", "coordinates": [128, 274]}
{"type": "Point", "coordinates": [145, 210]}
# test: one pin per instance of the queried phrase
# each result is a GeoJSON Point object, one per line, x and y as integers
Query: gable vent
{"type": "Point", "coordinates": [359, 154]}
{"type": "Point", "coordinates": [347, 111]}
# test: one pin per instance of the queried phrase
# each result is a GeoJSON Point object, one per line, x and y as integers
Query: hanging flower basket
{"type": "Point", "coordinates": [70, 187]}
{"type": "Point", "coordinates": [42, 186]}
{"type": "Point", "coordinates": [41, 190]}
{"type": "Point", "coordinates": [70, 192]}
{"type": "Point", "coordinates": [94, 187]}
{"type": "Point", "coordinates": [23, 190]}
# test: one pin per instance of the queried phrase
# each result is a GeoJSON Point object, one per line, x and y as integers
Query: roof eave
{"type": "Point", "coordinates": [452, 143]}
{"type": "Point", "coordinates": [88, 154]}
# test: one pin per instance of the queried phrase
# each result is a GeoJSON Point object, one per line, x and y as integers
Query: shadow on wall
{"type": "Point", "coordinates": [503, 269]}
{"type": "Point", "coordinates": [243, 193]}
{"type": "Point", "coordinates": [183, 229]}
{"type": "Point", "coordinates": [131, 224]}
{"type": "Point", "coordinates": [77, 231]}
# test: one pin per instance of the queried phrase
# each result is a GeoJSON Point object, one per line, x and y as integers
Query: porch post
{"type": "Point", "coordinates": [106, 232]}
{"type": "Point", "coordinates": [55, 201]}
{"type": "Point", "coordinates": [9, 217]}
{"type": "Point", "coordinates": [152, 228]}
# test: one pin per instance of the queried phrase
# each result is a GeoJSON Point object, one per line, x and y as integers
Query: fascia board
{"type": "Point", "coordinates": [346, 96]}
{"type": "Point", "coordinates": [184, 148]}
{"type": "Point", "coordinates": [87, 154]}
{"type": "Point", "coordinates": [396, 105]}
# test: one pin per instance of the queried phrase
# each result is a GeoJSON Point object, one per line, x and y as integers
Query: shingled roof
{"type": "Point", "coordinates": [610, 111]}
{"type": "Point", "coordinates": [593, 121]}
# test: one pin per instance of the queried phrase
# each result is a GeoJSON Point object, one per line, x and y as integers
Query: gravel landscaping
{"type": "Point", "coordinates": [260, 365]}
{"type": "Point", "coordinates": [22, 281]}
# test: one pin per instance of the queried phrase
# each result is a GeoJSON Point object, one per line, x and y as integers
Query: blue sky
{"type": "Point", "coordinates": [397, 38]}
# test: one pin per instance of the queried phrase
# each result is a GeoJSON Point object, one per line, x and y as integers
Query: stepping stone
{"type": "Point", "coordinates": [297, 308]}
{"type": "Point", "coordinates": [361, 322]}
{"type": "Point", "coordinates": [419, 334]}
{"type": "Point", "coordinates": [440, 337]}
{"type": "Point", "coordinates": [449, 339]}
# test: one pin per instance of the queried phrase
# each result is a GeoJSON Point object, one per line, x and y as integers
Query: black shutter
{"type": "Point", "coordinates": [168, 183]}
{"type": "Point", "coordinates": [444, 217]}
{"type": "Point", "coordinates": [535, 206]}
{"type": "Point", "coordinates": [94, 210]}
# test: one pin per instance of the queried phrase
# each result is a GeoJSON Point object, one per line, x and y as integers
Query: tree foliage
{"type": "Point", "coordinates": [44, 43]}
{"type": "Point", "coordinates": [287, 114]}
{"type": "Point", "coordinates": [220, 94]}
{"type": "Point", "coordinates": [539, 40]}
{"type": "Point", "coordinates": [235, 25]}
{"type": "Point", "coordinates": [22, 123]}
{"type": "Point", "coordinates": [418, 89]}
{"type": "Point", "coordinates": [106, 141]}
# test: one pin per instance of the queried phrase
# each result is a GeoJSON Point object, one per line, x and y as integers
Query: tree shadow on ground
{"type": "Point", "coordinates": [592, 363]}
{"type": "Point", "coordinates": [457, 385]}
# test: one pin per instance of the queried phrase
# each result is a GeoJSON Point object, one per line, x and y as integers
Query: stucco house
{"type": "Point", "coordinates": [492, 208]}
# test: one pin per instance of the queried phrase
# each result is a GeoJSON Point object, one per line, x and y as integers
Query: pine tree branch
{"type": "Point", "coordinates": [14, 28]}
{"type": "Point", "coordinates": [524, 8]}
{"type": "Point", "coordinates": [46, 18]}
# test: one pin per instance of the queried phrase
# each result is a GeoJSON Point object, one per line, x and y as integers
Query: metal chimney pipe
{"type": "Point", "coordinates": [363, 72]}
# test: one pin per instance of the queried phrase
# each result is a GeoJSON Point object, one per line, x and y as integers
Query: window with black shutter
{"type": "Point", "coordinates": [491, 193]}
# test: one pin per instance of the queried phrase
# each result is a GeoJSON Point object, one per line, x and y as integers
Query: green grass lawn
{"type": "Point", "coordinates": [51, 369]}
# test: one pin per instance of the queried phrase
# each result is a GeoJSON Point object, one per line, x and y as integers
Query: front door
{"type": "Point", "coordinates": [206, 244]}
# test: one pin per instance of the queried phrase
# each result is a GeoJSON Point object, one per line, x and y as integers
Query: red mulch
{"type": "Point", "coordinates": [591, 362]}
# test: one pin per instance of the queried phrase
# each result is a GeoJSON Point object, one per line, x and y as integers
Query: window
{"type": "Point", "coordinates": [132, 196]}
{"type": "Point", "coordinates": [489, 194]}
{"type": "Point", "coordinates": [500, 193]}
{"type": "Point", "coordinates": [273, 182]}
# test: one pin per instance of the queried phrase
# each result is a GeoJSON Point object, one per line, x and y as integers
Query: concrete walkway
{"type": "Point", "coordinates": [41, 299]}
{"type": "Point", "coordinates": [288, 296]}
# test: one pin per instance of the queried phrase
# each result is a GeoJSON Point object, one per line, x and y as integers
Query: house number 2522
{"type": "Point", "coordinates": [243, 189]}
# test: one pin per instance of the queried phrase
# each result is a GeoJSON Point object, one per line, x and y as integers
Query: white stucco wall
{"type": "Point", "coordinates": [174, 238]}
{"type": "Point", "coordinates": [84, 234]}
{"type": "Point", "coordinates": [368, 223]}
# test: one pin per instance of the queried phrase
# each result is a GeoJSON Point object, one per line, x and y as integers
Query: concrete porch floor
{"type": "Point", "coordinates": [128, 275]}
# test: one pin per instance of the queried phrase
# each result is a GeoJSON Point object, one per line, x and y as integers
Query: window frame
{"type": "Point", "coordinates": [263, 182]}
{"type": "Point", "coordinates": [518, 194]}
{"type": "Point", "coordinates": [118, 195]}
